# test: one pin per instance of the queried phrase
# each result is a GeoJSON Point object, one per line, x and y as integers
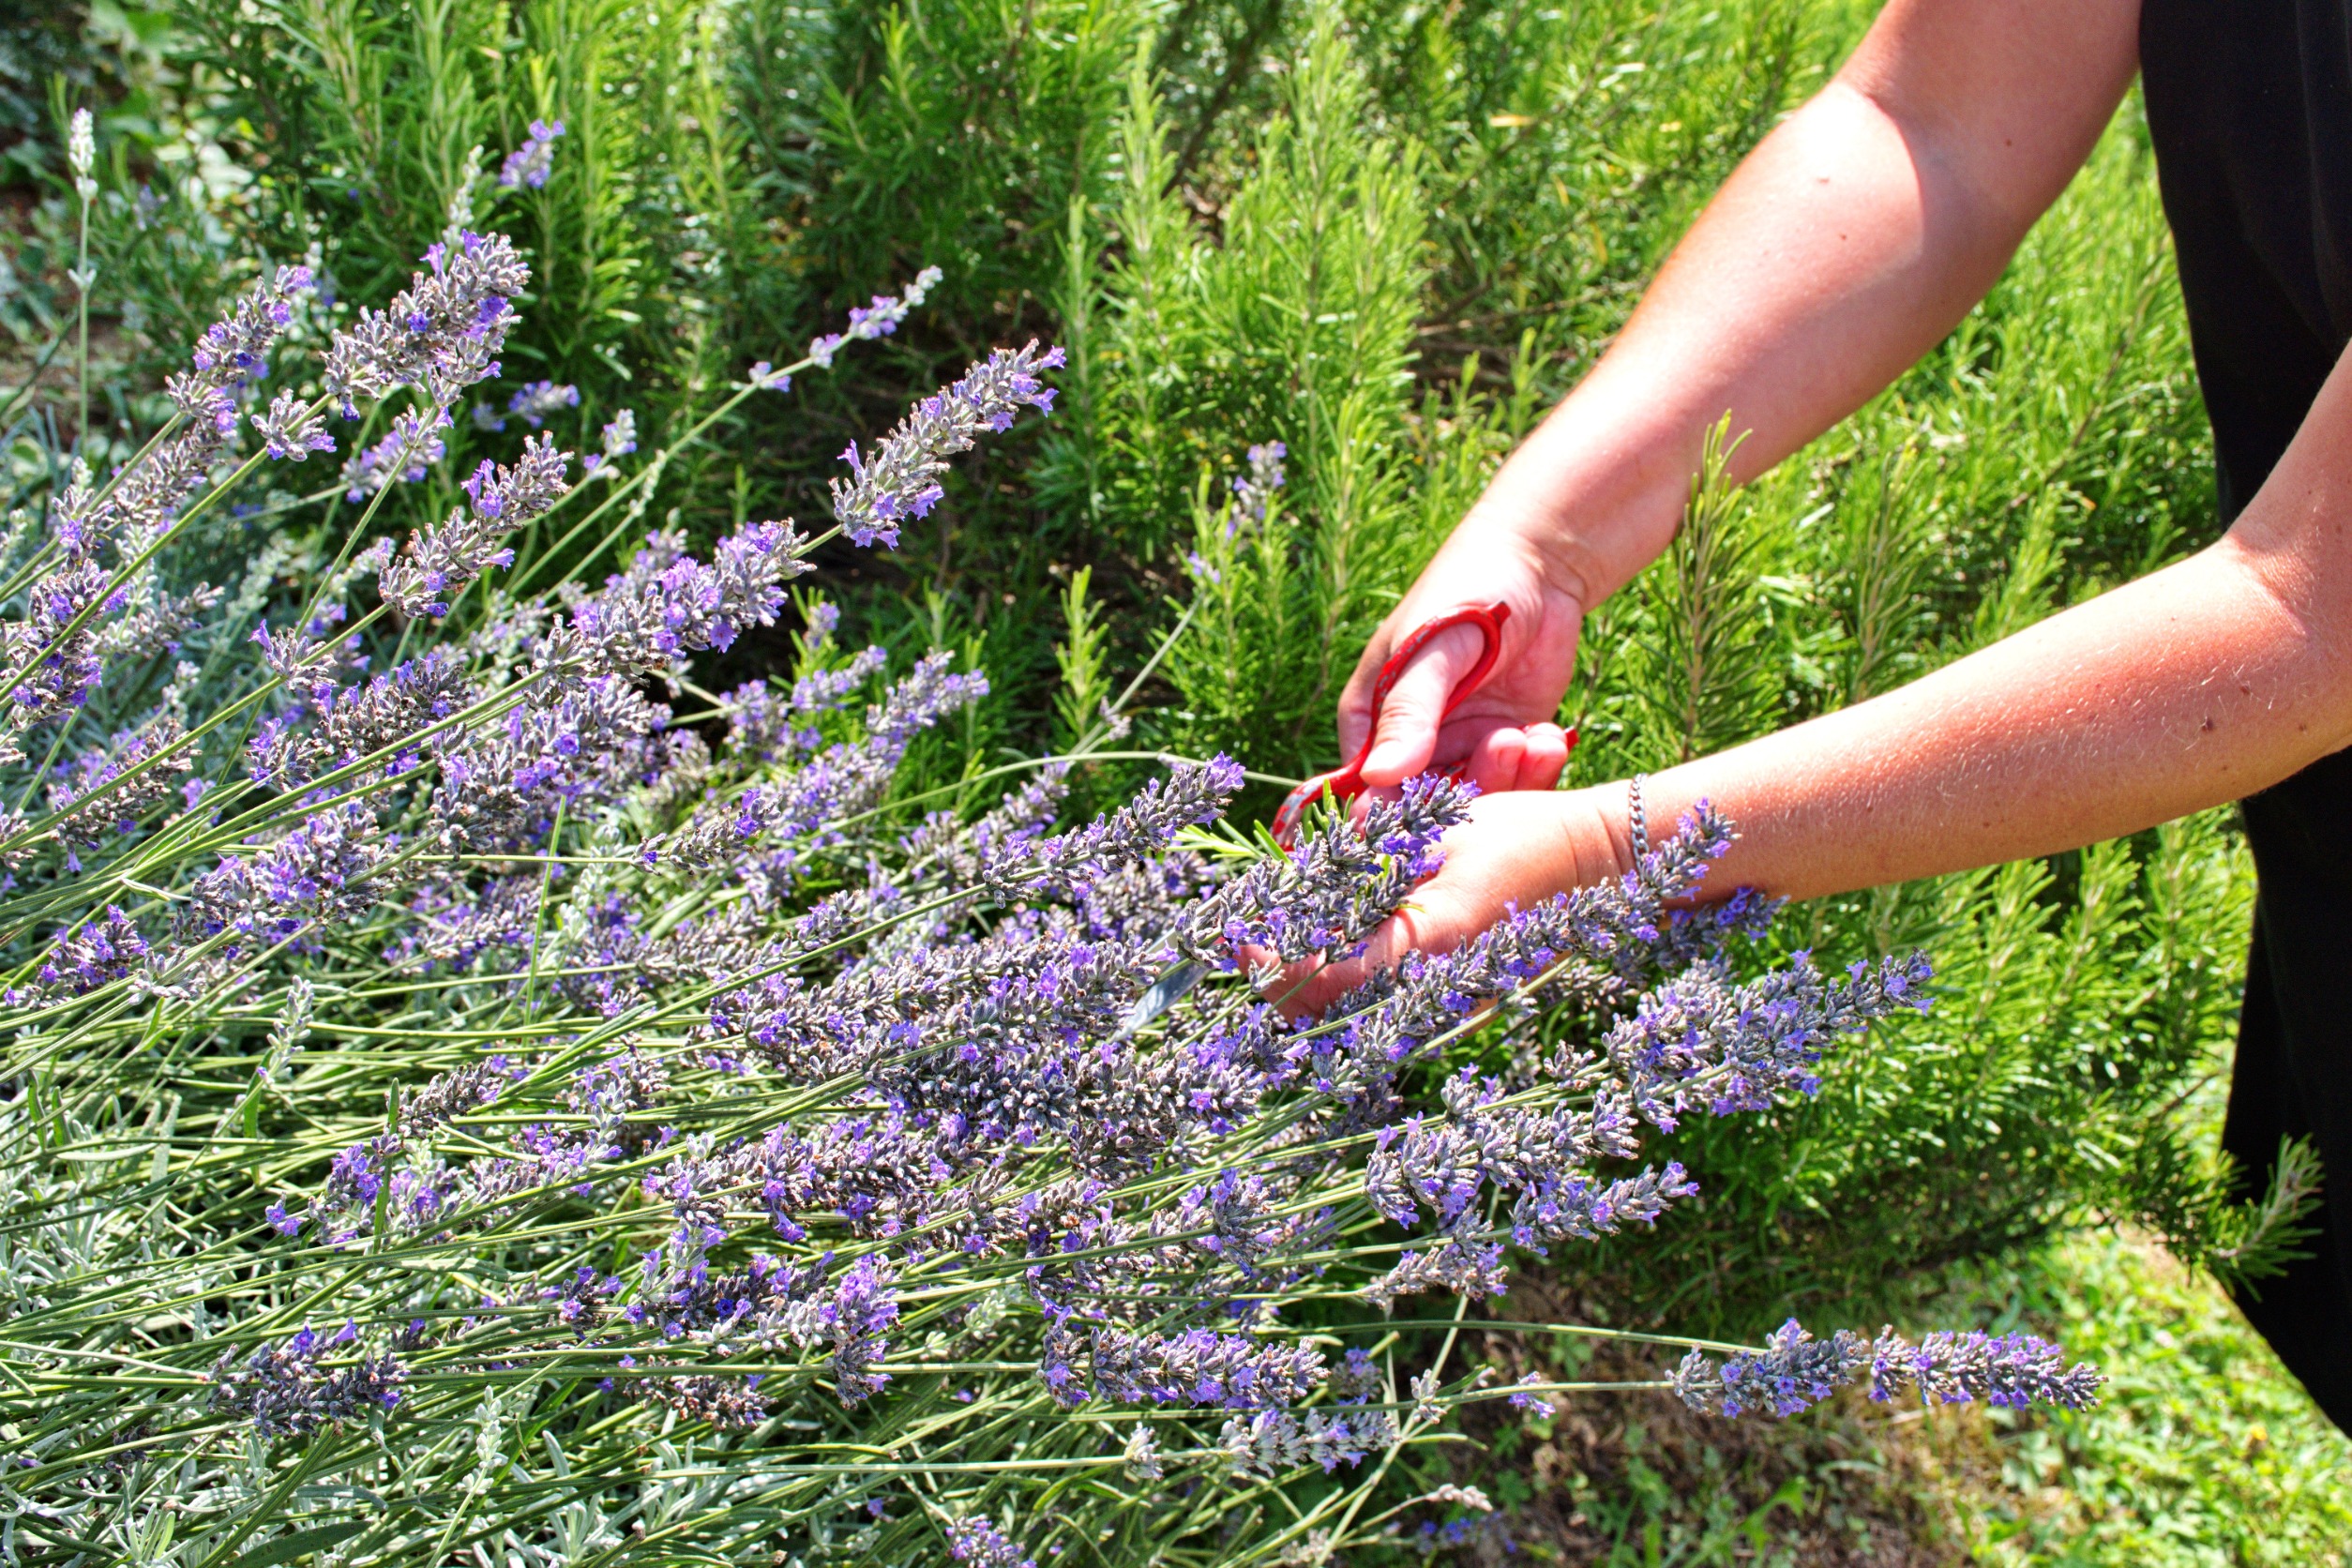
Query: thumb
{"type": "Point", "coordinates": [1436, 919]}
{"type": "Point", "coordinates": [1408, 720]}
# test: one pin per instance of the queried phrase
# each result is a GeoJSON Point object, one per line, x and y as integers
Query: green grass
{"type": "Point", "coordinates": [2205, 1452]}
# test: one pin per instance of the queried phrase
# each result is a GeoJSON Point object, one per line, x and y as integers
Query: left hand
{"type": "Point", "coordinates": [1517, 849]}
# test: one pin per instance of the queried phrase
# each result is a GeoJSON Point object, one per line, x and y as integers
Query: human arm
{"type": "Point", "coordinates": [1847, 244]}
{"type": "Point", "coordinates": [2200, 683]}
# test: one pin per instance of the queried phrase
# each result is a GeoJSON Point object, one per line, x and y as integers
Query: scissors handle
{"type": "Point", "coordinates": [1345, 782]}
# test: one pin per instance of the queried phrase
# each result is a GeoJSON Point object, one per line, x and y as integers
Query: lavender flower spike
{"type": "Point", "coordinates": [290, 430]}
{"type": "Point", "coordinates": [901, 480]}
{"type": "Point", "coordinates": [408, 450]}
{"type": "Point", "coordinates": [539, 403]}
{"type": "Point", "coordinates": [530, 164]}
{"type": "Point", "coordinates": [442, 332]}
{"type": "Point", "coordinates": [1795, 1371]}
{"type": "Point", "coordinates": [466, 545]}
{"type": "Point", "coordinates": [878, 319]}
{"type": "Point", "coordinates": [284, 1391]}
{"type": "Point", "coordinates": [978, 1542]}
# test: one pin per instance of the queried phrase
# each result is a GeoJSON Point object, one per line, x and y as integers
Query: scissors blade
{"type": "Point", "coordinates": [1161, 994]}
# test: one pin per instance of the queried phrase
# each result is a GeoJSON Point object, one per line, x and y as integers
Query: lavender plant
{"type": "Point", "coordinates": [458, 1104]}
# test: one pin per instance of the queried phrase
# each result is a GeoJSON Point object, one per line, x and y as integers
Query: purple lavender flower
{"type": "Point", "coordinates": [159, 747]}
{"type": "Point", "coordinates": [1069, 864]}
{"type": "Point", "coordinates": [848, 777]}
{"type": "Point", "coordinates": [1795, 1371]}
{"type": "Point", "coordinates": [1254, 490]}
{"type": "Point", "coordinates": [1273, 1441]}
{"type": "Point", "coordinates": [2009, 1370]}
{"type": "Point", "coordinates": [730, 1404]}
{"type": "Point", "coordinates": [452, 1094]}
{"type": "Point", "coordinates": [530, 164]}
{"type": "Point", "coordinates": [766, 727]}
{"type": "Point", "coordinates": [878, 319]}
{"type": "Point", "coordinates": [901, 480]}
{"type": "Point", "coordinates": [286, 1391]}
{"type": "Point", "coordinates": [331, 726]}
{"type": "Point", "coordinates": [584, 745]}
{"type": "Point", "coordinates": [978, 1542]}
{"type": "Point", "coordinates": [85, 957]}
{"type": "Point", "coordinates": [50, 670]}
{"type": "Point", "coordinates": [291, 431]}
{"type": "Point", "coordinates": [539, 403]}
{"type": "Point", "coordinates": [404, 456]}
{"type": "Point", "coordinates": [619, 439]}
{"type": "Point", "coordinates": [441, 334]}
{"type": "Point", "coordinates": [1200, 1368]}
{"type": "Point", "coordinates": [667, 604]}
{"type": "Point", "coordinates": [501, 499]}
{"type": "Point", "coordinates": [323, 869]}
{"type": "Point", "coordinates": [1330, 892]}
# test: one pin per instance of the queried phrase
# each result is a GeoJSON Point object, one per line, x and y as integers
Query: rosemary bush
{"type": "Point", "coordinates": [458, 1103]}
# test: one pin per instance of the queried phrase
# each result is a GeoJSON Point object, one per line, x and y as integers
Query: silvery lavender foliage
{"type": "Point", "coordinates": [901, 479]}
{"type": "Point", "coordinates": [1795, 1371]}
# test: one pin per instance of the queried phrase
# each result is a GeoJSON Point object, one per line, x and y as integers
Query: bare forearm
{"type": "Point", "coordinates": [2188, 688]}
{"type": "Point", "coordinates": [1847, 245]}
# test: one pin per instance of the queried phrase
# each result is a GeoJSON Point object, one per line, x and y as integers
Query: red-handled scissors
{"type": "Point", "coordinates": [1347, 782]}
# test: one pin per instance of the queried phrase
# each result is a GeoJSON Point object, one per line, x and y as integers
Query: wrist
{"type": "Point", "coordinates": [1597, 825]}
{"type": "Point", "coordinates": [1589, 498]}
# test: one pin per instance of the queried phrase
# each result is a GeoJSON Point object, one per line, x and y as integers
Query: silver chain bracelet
{"type": "Point", "coordinates": [1640, 819]}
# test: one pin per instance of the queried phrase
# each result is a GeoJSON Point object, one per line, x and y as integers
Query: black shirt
{"type": "Point", "coordinates": [2250, 106]}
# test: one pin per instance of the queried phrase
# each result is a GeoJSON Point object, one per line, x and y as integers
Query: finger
{"type": "Point", "coordinates": [1355, 698]}
{"type": "Point", "coordinates": [1428, 925]}
{"type": "Point", "coordinates": [1495, 764]}
{"type": "Point", "coordinates": [1546, 755]}
{"type": "Point", "coordinates": [1409, 720]}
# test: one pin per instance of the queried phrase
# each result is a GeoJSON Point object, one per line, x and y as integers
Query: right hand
{"type": "Point", "coordinates": [1503, 735]}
